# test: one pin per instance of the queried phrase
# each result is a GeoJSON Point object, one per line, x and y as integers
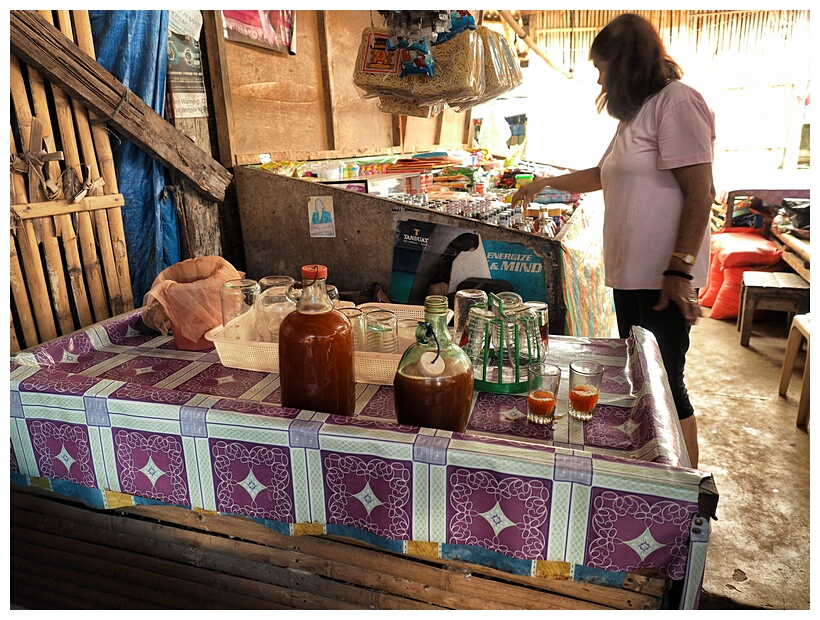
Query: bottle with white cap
{"type": "Point", "coordinates": [433, 386]}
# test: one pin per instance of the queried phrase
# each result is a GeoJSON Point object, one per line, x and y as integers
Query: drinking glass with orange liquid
{"type": "Point", "coordinates": [584, 387]}
{"type": "Point", "coordinates": [542, 391]}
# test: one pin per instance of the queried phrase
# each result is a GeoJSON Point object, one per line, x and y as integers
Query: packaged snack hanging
{"type": "Point", "coordinates": [433, 386]}
{"type": "Point", "coordinates": [316, 365]}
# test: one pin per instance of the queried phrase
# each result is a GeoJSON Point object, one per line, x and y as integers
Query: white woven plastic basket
{"type": "Point", "coordinates": [376, 368]}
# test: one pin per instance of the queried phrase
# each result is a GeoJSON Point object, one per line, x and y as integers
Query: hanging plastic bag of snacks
{"type": "Point", "coordinates": [393, 105]}
{"type": "Point", "coordinates": [512, 63]}
{"type": "Point", "coordinates": [459, 21]}
{"type": "Point", "coordinates": [377, 68]}
{"type": "Point", "coordinates": [416, 59]}
{"type": "Point", "coordinates": [459, 73]}
{"type": "Point", "coordinates": [497, 79]}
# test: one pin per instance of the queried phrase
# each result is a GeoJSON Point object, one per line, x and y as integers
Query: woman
{"type": "Point", "coordinates": [656, 176]}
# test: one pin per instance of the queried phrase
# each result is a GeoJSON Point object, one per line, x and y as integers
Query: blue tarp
{"type": "Point", "coordinates": [133, 46]}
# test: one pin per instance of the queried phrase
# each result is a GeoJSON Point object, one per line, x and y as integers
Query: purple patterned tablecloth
{"type": "Point", "coordinates": [110, 409]}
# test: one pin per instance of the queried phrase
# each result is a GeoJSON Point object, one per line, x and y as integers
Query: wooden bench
{"type": "Point", "coordinates": [800, 331]}
{"type": "Point", "coordinates": [796, 252]}
{"type": "Point", "coordinates": [767, 290]}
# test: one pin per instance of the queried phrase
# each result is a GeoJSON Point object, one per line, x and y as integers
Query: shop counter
{"type": "Point", "coordinates": [112, 416]}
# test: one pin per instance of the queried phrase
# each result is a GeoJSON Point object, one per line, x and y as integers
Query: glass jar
{"type": "Point", "coordinates": [316, 364]}
{"type": "Point", "coordinates": [272, 306]}
{"type": "Point", "coordinates": [433, 386]}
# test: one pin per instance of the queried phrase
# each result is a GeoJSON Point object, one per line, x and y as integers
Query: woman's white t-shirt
{"type": "Point", "coordinates": [642, 197]}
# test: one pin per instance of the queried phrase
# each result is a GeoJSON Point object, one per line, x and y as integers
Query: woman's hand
{"type": "Point", "coordinates": [526, 193]}
{"type": "Point", "coordinates": [681, 292]}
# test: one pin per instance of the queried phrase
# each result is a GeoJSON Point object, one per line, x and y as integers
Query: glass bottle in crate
{"type": "Point", "coordinates": [316, 365]}
{"type": "Point", "coordinates": [545, 224]}
{"type": "Point", "coordinates": [433, 386]}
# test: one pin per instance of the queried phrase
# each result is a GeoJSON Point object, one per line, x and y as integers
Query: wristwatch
{"type": "Point", "coordinates": [686, 258]}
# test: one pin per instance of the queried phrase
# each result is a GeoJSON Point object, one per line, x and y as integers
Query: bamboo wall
{"type": "Point", "coordinates": [724, 36]}
{"type": "Point", "coordinates": [752, 67]}
{"type": "Point", "coordinates": [68, 259]}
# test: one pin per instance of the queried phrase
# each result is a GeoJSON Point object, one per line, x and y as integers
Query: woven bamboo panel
{"type": "Point", "coordinates": [68, 258]}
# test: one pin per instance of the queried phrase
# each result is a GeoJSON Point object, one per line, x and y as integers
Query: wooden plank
{"type": "Point", "coordinates": [296, 586]}
{"type": "Point", "coordinates": [220, 84]}
{"type": "Point", "coordinates": [29, 592]}
{"type": "Point", "coordinates": [43, 47]}
{"type": "Point", "coordinates": [245, 159]}
{"type": "Point", "coordinates": [77, 571]}
{"type": "Point", "coordinates": [326, 61]}
{"type": "Point", "coordinates": [198, 216]}
{"type": "Point", "coordinates": [239, 546]}
{"type": "Point", "coordinates": [299, 581]}
{"type": "Point", "coordinates": [176, 585]}
{"type": "Point", "coordinates": [66, 207]}
{"type": "Point", "coordinates": [323, 547]}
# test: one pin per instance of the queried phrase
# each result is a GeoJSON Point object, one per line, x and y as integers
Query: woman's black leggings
{"type": "Point", "coordinates": [669, 329]}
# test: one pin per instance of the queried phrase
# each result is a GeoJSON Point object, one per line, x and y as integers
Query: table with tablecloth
{"type": "Point", "coordinates": [112, 415]}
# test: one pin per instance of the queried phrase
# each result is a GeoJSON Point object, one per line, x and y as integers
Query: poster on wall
{"type": "Point", "coordinates": [518, 265]}
{"type": "Point", "coordinates": [273, 30]}
{"type": "Point", "coordinates": [320, 216]}
{"type": "Point", "coordinates": [186, 83]}
{"type": "Point", "coordinates": [432, 259]}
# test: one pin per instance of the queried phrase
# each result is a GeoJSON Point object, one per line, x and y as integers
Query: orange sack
{"type": "Point", "coordinates": [184, 298]}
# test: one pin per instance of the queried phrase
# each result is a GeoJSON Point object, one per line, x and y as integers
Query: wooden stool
{"type": "Point", "coordinates": [769, 290]}
{"type": "Point", "coordinates": [800, 330]}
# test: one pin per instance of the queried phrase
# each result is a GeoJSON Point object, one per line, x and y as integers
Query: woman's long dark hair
{"type": "Point", "coordinates": [638, 67]}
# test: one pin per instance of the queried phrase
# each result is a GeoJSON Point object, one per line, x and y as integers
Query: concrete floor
{"type": "Point", "coordinates": [758, 553]}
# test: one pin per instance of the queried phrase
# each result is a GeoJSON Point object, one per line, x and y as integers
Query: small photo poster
{"type": "Point", "coordinates": [321, 217]}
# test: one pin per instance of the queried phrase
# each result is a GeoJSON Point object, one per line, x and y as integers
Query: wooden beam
{"type": "Point", "coordinates": [40, 45]}
{"type": "Point", "coordinates": [325, 62]}
{"type": "Point", "coordinates": [220, 85]}
{"type": "Point", "coordinates": [65, 207]}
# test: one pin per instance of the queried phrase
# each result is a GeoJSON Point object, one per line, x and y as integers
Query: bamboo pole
{"type": "Point", "coordinates": [535, 48]}
{"type": "Point", "coordinates": [51, 247]}
{"type": "Point", "coordinates": [13, 342]}
{"type": "Point", "coordinates": [18, 183]}
{"type": "Point", "coordinates": [25, 231]}
{"type": "Point", "coordinates": [19, 292]}
{"type": "Point", "coordinates": [64, 226]}
{"type": "Point", "coordinates": [20, 296]}
{"type": "Point", "coordinates": [85, 227]}
{"type": "Point", "coordinates": [125, 299]}
{"type": "Point", "coordinates": [36, 281]}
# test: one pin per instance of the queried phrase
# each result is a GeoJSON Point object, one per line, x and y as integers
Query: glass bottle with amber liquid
{"type": "Point", "coordinates": [316, 364]}
{"type": "Point", "coordinates": [433, 385]}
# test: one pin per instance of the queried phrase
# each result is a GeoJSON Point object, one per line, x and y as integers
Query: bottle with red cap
{"type": "Point", "coordinates": [316, 365]}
